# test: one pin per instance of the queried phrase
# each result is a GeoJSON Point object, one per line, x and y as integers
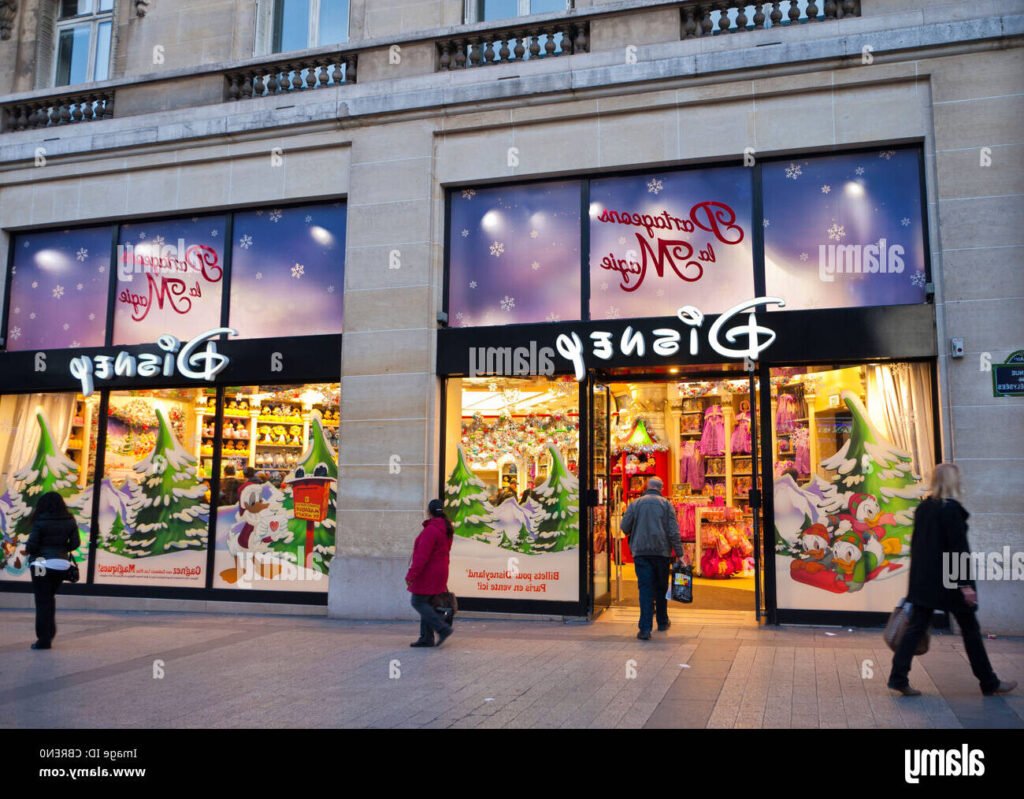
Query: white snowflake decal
{"type": "Point", "coordinates": [309, 218]}
{"type": "Point", "coordinates": [142, 235]}
{"type": "Point", "coordinates": [92, 317]}
{"type": "Point", "coordinates": [298, 271]}
{"type": "Point", "coordinates": [79, 286]}
{"type": "Point", "coordinates": [622, 239]}
{"type": "Point", "coordinates": [887, 154]}
{"type": "Point", "coordinates": [655, 186]}
{"type": "Point", "coordinates": [918, 279]}
{"type": "Point", "coordinates": [767, 222]}
{"type": "Point", "coordinates": [836, 232]}
{"type": "Point", "coordinates": [604, 285]}
{"type": "Point", "coordinates": [804, 256]}
{"type": "Point", "coordinates": [158, 240]}
{"type": "Point", "coordinates": [468, 194]}
{"type": "Point", "coordinates": [459, 316]}
{"type": "Point", "coordinates": [259, 276]}
{"type": "Point", "coordinates": [76, 343]}
{"type": "Point", "coordinates": [67, 326]}
{"type": "Point", "coordinates": [58, 291]}
{"type": "Point", "coordinates": [15, 332]}
{"type": "Point", "coordinates": [245, 242]}
{"type": "Point", "coordinates": [215, 233]}
{"type": "Point", "coordinates": [472, 284]}
{"type": "Point", "coordinates": [535, 266]}
{"type": "Point", "coordinates": [612, 312]}
{"type": "Point", "coordinates": [35, 284]}
{"type": "Point", "coordinates": [196, 218]}
{"type": "Point", "coordinates": [259, 212]}
{"type": "Point", "coordinates": [26, 244]}
{"type": "Point", "coordinates": [660, 292]}
{"type": "Point", "coordinates": [508, 303]}
{"type": "Point", "coordinates": [330, 289]}
{"type": "Point", "coordinates": [826, 189]}
{"type": "Point", "coordinates": [465, 232]}
{"type": "Point", "coordinates": [17, 310]}
{"type": "Point", "coordinates": [276, 214]}
{"type": "Point", "coordinates": [553, 317]}
{"type": "Point", "coordinates": [859, 170]}
{"type": "Point", "coordinates": [102, 269]}
{"type": "Point", "coordinates": [905, 221]}
{"type": "Point", "coordinates": [497, 248]}
{"type": "Point", "coordinates": [82, 254]}
{"type": "Point", "coordinates": [793, 171]}
{"type": "Point", "coordinates": [32, 315]}
{"type": "Point", "coordinates": [534, 234]}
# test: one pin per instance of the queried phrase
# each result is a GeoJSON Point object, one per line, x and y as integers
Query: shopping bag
{"type": "Point", "coordinates": [896, 628]}
{"type": "Point", "coordinates": [682, 583]}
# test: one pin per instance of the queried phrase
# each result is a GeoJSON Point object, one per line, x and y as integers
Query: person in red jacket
{"type": "Point", "coordinates": [428, 573]}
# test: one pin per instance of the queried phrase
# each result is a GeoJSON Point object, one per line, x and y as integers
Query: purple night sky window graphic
{"type": "Point", "coordinates": [59, 289]}
{"type": "Point", "coordinates": [288, 271]}
{"type": "Point", "coordinates": [514, 254]}
{"type": "Point", "coordinates": [844, 230]}
{"type": "Point", "coordinates": [662, 240]}
{"type": "Point", "coordinates": [170, 276]}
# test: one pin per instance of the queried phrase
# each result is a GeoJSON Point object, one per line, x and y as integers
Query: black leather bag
{"type": "Point", "coordinates": [896, 628]}
{"type": "Point", "coordinates": [72, 575]}
{"type": "Point", "coordinates": [446, 606]}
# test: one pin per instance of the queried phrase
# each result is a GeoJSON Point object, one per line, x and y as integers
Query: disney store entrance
{"type": "Point", "coordinates": [696, 431]}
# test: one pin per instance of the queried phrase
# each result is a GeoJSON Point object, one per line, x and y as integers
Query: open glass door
{"type": "Point", "coordinates": [754, 497]}
{"type": "Point", "coordinates": [599, 499]}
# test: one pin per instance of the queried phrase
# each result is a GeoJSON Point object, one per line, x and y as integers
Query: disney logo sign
{"type": "Point", "coordinates": [747, 335]}
{"type": "Point", "coordinates": [198, 359]}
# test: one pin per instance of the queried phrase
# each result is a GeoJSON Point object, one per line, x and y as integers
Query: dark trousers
{"type": "Point", "coordinates": [652, 580]}
{"type": "Point", "coordinates": [920, 620]}
{"type": "Point", "coordinates": [430, 621]}
{"type": "Point", "coordinates": [45, 587]}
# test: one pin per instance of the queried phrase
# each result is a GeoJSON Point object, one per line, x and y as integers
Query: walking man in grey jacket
{"type": "Point", "coordinates": [651, 527]}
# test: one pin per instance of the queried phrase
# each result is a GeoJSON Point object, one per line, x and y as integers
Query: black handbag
{"type": "Point", "coordinates": [896, 628]}
{"type": "Point", "coordinates": [72, 575]}
{"type": "Point", "coordinates": [446, 606]}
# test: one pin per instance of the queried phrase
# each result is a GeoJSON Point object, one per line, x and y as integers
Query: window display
{"type": "Point", "coordinates": [852, 447]}
{"type": "Point", "coordinates": [845, 230]}
{"type": "Point", "coordinates": [512, 488]}
{"type": "Point", "coordinates": [514, 254]}
{"type": "Point", "coordinates": [59, 286]}
{"type": "Point", "coordinates": [288, 271]}
{"type": "Point", "coordinates": [277, 501]}
{"type": "Point", "coordinates": [47, 443]}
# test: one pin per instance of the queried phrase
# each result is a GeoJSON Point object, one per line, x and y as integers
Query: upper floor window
{"type": "Point", "coordinates": [83, 41]}
{"type": "Point", "coordinates": [300, 24]}
{"type": "Point", "coordinates": [489, 10]}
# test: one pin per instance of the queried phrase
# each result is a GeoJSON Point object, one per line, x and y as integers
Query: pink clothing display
{"type": "Point", "coordinates": [691, 466]}
{"type": "Point", "coordinates": [712, 440]}
{"type": "Point", "coordinates": [741, 434]}
{"type": "Point", "coordinates": [785, 414]}
{"type": "Point", "coordinates": [802, 449]}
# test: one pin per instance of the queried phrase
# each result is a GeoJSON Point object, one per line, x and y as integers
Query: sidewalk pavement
{"type": "Point", "coordinates": [139, 669]}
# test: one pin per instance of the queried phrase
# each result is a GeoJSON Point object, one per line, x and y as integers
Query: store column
{"type": "Point", "coordinates": [388, 388]}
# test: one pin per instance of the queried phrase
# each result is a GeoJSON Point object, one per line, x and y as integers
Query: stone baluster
{"type": "Point", "coordinates": [758, 16]}
{"type": "Point", "coordinates": [812, 11]}
{"type": "Point", "coordinates": [794, 11]}
{"type": "Point", "coordinates": [295, 70]}
{"type": "Point", "coordinates": [849, 8]}
{"type": "Point", "coordinates": [488, 50]}
{"type": "Point", "coordinates": [520, 49]}
{"type": "Point", "coordinates": [108, 107]}
{"type": "Point", "coordinates": [445, 59]}
{"type": "Point", "coordinates": [65, 113]}
{"type": "Point", "coordinates": [324, 78]}
{"type": "Point", "coordinates": [503, 51]}
{"type": "Point", "coordinates": [689, 22]}
{"type": "Point", "coordinates": [582, 39]}
{"type": "Point", "coordinates": [475, 54]}
{"type": "Point", "coordinates": [549, 45]}
{"type": "Point", "coordinates": [741, 19]}
{"type": "Point", "coordinates": [723, 17]}
{"type": "Point", "coordinates": [234, 91]}
{"type": "Point", "coordinates": [310, 67]}
{"type": "Point", "coordinates": [351, 62]}
{"type": "Point", "coordinates": [830, 9]}
{"type": "Point", "coordinates": [534, 43]}
{"type": "Point", "coordinates": [460, 54]}
{"type": "Point", "coordinates": [776, 15]}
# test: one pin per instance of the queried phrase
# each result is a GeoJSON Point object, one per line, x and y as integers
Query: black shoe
{"type": "Point", "coordinates": [906, 690]}
{"type": "Point", "coordinates": [40, 645]}
{"type": "Point", "coordinates": [1002, 688]}
{"type": "Point", "coordinates": [421, 642]}
{"type": "Point", "coordinates": [644, 636]}
{"type": "Point", "coordinates": [663, 627]}
{"type": "Point", "coordinates": [443, 636]}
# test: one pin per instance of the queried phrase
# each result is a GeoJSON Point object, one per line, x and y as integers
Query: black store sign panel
{"type": "Point", "coordinates": [1008, 378]}
{"type": "Point", "coordinates": [250, 361]}
{"type": "Point", "coordinates": [839, 334]}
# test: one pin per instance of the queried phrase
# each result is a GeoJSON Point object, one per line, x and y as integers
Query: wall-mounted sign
{"type": "Point", "coordinates": [198, 359]}
{"type": "Point", "coordinates": [1008, 378]}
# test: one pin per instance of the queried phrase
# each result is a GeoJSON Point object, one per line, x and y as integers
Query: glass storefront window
{"type": "Point", "coordinates": [47, 443]}
{"type": "Point", "coordinates": [852, 446]}
{"type": "Point", "coordinates": [845, 230]}
{"type": "Point", "coordinates": [169, 278]}
{"type": "Point", "coordinates": [288, 271]}
{"type": "Point", "coordinates": [662, 240]}
{"type": "Point", "coordinates": [514, 254]}
{"type": "Point", "coordinates": [154, 507]}
{"type": "Point", "coordinates": [277, 501]}
{"type": "Point", "coordinates": [512, 488]}
{"type": "Point", "coordinates": [59, 286]}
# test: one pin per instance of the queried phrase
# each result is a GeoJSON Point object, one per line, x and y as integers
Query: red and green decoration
{"type": "Point", "coordinates": [466, 502]}
{"type": "Point", "coordinates": [170, 511]}
{"type": "Point", "coordinates": [639, 441]}
{"type": "Point", "coordinates": [318, 461]}
{"type": "Point", "coordinates": [485, 440]}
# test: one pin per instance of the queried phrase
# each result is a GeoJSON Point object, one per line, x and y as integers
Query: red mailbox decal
{"type": "Point", "coordinates": [310, 501]}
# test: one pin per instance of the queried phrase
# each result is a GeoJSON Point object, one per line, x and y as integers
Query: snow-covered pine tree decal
{"type": "Point", "coordinates": [319, 460]}
{"type": "Point", "coordinates": [869, 465]}
{"type": "Point", "coordinates": [50, 470]}
{"type": "Point", "coordinates": [559, 525]}
{"type": "Point", "coordinates": [171, 512]}
{"type": "Point", "coordinates": [465, 501]}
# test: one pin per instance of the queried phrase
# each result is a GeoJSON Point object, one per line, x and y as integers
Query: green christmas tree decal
{"type": "Point", "coordinates": [50, 470]}
{"type": "Point", "coordinates": [171, 513]}
{"type": "Point", "coordinates": [114, 541]}
{"type": "Point", "coordinates": [559, 526]}
{"type": "Point", "coordinates": [319, 460]}
{"type": "Point", "coordinates": [868, 464]}
{"type": "Point", "coordinates": [465, 501]}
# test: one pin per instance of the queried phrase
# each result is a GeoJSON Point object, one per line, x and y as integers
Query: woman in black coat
{"type": "Point", "coordinates": [53, 538]}
{"type": "Point", "coordinates": [940, 579]}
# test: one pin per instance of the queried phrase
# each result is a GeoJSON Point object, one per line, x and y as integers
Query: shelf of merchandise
{"type": "Point", "coordinates": [80, 437]}
{"type": "Point", "coordinates": [805, 400]}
